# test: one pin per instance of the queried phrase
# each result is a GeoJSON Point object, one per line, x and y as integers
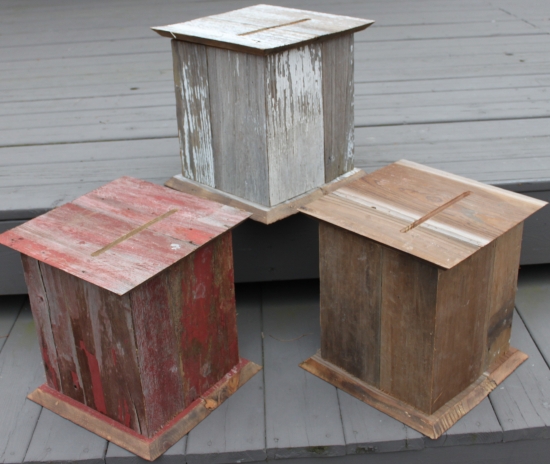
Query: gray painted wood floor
{"type": "Point", "coordinates": [86, 96]}
{"type": "Point", "coordinates": [286, 413]}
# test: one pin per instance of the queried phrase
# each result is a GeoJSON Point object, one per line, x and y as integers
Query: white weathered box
{"type": "Point", "coordinates": [264, 103]}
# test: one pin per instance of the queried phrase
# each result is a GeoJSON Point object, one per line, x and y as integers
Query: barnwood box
{"type": "Point", "coordinates": [264, 100]}
{"type": "Point", "coordinates": [131, 289]}
{"type": "Point", "coordinates": [418, 273]}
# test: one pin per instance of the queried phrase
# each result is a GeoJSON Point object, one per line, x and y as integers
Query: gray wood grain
{"type": "Point", "coordinates": [238, 114]}
{"type": "Point", "coordinates": [21, 371]}
{"type": "Point", "coordinates": [521, 401]}
{"type": "Point", "coordinates": [235, 432]}
{"type": "Point", "coordinates": [294, 106]}
{"type": "Point", "coordinates": [338, 114]}
{"type": "Point", "coordinates": [193, 110]}
{"type": "Point", "coordinates": [302, 411]}
{"type": "Point", "coordinates": [58, 440]}
{"type": "Point", "coordinates": [9, 310]}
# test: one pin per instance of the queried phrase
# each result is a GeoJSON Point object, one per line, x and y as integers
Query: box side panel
{"type": "Point", "coordinates": [186, 330]}
{"type": "Point", "coordinates": [208, 324]}
{"type": "Point", "coordinates": [41, 313]}
{"type": "Point", "coordinates": [193, 111]}
{"type": "Point", "coordinates": [338, 114]}
{"type": "Point", "coordinates": [462, 305]}
{"type": "Point", "coordinates": [237, 109]}
{"type": "Point", "coordinates": [94, 340]}
{"type": "Point", "coordinates": [349, 267]}
{"type": "Point", "coordinates": [294, 105]}
{"type": "Point", "coordinates": [409, 289]}
{"type": "Point", "coordinates": [502, 290]}
{"type": "Point", "coordinates": [155, 317]}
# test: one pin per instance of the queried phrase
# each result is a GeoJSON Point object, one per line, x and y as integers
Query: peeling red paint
{"type": "Point", "coordinates": [97, 387]}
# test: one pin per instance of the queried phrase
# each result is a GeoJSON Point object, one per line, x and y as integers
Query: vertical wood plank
{"type": "Point", "coordinates": [41, 314]}
{"type": "Point", "coordinates": [208, 325]}
{"type": "Point", "coordinates": [503, 291]}
{"type": "Point", "coordinates": [238, 118]}
{"type": "Point", "coordinates": [193, 111]}
{"type": "Point", "coordinates": [63, 294]}
{"type": "Point", "coordinates": [295, 141]}
{"type": "Point", "coordinates": [338, 114]}
{"type": "Point", "coordinates": [114, 341]}
{"type": "Point", "coordinates": [409, 287]}
{"type": "Point", "coordinates": [157, 350]}
{"type": "Point", "coordinates": [462, 301]}
{"type": "Point", "coordinates": [349, 267]}
{"type": "Point", "coordinates": [94, 340]}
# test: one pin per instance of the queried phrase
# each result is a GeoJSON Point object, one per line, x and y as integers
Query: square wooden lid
{"type": "Point", "coordinates": [120, 235]}
{"type": "Point", "coordinates": [431, 214]}
{"type": "Point", "coordinates": [263, 29]}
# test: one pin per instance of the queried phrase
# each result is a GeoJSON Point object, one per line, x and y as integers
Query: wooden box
{"type": "Point", "coordinates": [131, 288]}
{"type": "Point", "coordinates": [418, 273]}
{"type": "Point", "coordinates": [264, 100]}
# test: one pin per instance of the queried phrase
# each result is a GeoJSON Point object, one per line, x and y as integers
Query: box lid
{"type": "Point", "coordinates": [439, 217]}
{"type": "Point", "coordinates": [123, 233]}
{"type": "Point", "coordinates": [263, 29]}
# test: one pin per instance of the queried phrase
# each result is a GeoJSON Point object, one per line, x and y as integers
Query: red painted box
{"type": "Point", "coordinates": [131, 288]}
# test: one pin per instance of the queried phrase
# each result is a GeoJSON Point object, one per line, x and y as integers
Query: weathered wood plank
{"type": "Point", "coordinates": [502, 291]}
{"type": "Point", "coordinates": [460, 343]}
{"type": "Point", "coordinates": [12, 281]}
{"type": "Point", "coordinates": [350, 269]}
{"type": "Point", "coordinates": [40, 307]}
{"type": "Point", "coordinates": [263, 29]}
{"type": "Point", "coordinates": [294, 105]}
{"type": "Point", "coordinates": [193, 111]}
{"type": "Point", "coordinates": [407, 324]}
{"type": "Point", "coordinates": [56, 439]}
{"type": "Point", "coordinates": [103, 221]}
{"type": "Point", "coordinates": [302, 410]}
{"type": "Point", "coordinates": [235, 432]}
{"type": "Point", "coordinates": [238, 113]}
{"type": "Point", "coordinates": [20, 372]}
{"type": "Point", "coordinates": [338, 105]}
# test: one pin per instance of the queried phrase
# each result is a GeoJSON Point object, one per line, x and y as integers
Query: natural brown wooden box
{"type": "Point", "coordinates": [131, 288]}
{"type": "Point", "coordinates": [264, 98]}
{"type": "Point", "coordinates": [418, 273]}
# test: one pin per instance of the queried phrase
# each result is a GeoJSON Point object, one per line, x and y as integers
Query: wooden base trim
{"type": "Point", "coordinates": [431, 425]}
{"type": "Point", "coordinates": [147, 448]}
{"type": "Point", "coordinates": [261, 213]}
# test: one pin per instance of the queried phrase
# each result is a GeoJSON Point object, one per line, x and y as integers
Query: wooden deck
{"type": "Point", "coordinates": [285, 413]}
{"type": "Point", "coordinates": [86, 95]}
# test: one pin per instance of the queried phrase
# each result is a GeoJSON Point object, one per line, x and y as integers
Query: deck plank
{"type": "Point", "coordinates": [9, 310]}
{"type": "Point", "coordinates": [303, 414]}
{"type": "Point", "coordinates": [368, 430]}
{"type": "Point", "coordinates": [521, 401]}
{"type": "Point", "coordinates": [21, 372]}
{"type": "Point", "coordinates": [532, 301]}
{"type": "Point", "coordinates": [56, 439]}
